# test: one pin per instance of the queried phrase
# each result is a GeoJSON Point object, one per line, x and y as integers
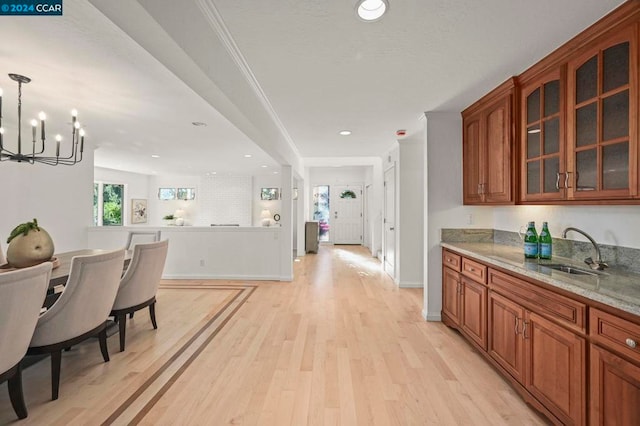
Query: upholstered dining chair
{"type": "Point", "coordinates": [137, 237]}
{"type": "Point", "coordinates": [139, 284]}
{"type": "Point", "coordinates": [22, 294]}
{"type": "Point", "coordinates": [81, 311]}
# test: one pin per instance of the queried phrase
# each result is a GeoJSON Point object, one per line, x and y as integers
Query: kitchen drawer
{"type": "Point", "coordinates": [474, 270]}
{"type": "Point", "coordinates": [451, 260]}
{"type": "Point", "coordinates": [615, 333]}
{"type": "Point", "coordinates": [552, 306]}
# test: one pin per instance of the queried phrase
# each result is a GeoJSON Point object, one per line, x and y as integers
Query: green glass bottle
{"type": "Point", "coordinates": [531, 242]}
{"type": "Point", "coordinates": [545, 242]}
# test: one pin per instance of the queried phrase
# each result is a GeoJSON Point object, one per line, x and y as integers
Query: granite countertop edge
{"type": "Point", "coordinates": [593, 288]}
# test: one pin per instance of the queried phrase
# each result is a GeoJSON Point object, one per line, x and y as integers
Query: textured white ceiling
{"type": "Point", "coordinates": [320, 69]}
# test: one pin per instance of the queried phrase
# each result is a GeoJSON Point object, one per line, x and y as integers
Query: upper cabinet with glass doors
{"type": "Point", "coordinates": [602, 127]}
{"type": "Point", "coordinates": [542, 149]}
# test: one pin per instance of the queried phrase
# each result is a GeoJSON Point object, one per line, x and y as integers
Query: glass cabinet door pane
{"type": "Point", "coordinates": [533, 177]}
{"type": "Point", "coordinates": [615, 116]}
{"type": "Point", "coordinates": [587, 80]}
{"type": "Point", "coordinates": [533, 106]}
{"type": "Point", "coordinates": [551, 136]}
{"type": "Point", "coordinates": [615, 166]}
{"type": "Point", "coordinates": [586, 169]}
{"type": "Point", "coordinates": [551, 98]}
{"type": "Point", "coordinates": [586, 124]}
{"type": "Point", "coordinates": [533, 141]}
{"type": "Point", "coordinates": [615, 65]}
{"type": "Point", "coordinates": [551, 176]}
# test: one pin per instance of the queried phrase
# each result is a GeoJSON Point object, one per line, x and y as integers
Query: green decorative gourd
{"type": "Point", "coordinates": [29, 245]}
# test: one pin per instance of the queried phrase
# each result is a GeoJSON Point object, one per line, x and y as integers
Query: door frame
{"type": "Point", "coordinates": [390, 269]}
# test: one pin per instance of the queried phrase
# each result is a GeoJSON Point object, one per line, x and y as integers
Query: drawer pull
{"type": "Point", "coordinates": [471, 269]}
{"type": "Point", "coordinates": [631, 343]}
{"type": "Point", "coordinates": [449, 260]}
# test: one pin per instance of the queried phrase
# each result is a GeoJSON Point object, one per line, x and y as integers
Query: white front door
{"type": "Point", "coordinates": [390, 221]}
{"type": "Point", "coordinates": [346, 214]}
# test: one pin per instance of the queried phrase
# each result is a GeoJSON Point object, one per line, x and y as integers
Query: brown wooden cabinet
{"type": "Point", "coordinates": [488, 165]}
{"type": "Point", "coordinates": [602, 132]}
{"type": "Point", "coordinates": [464, 297]}
{"type": "Point", "coordinates": [614, 369]}
{"type": "Point", "coordinates": [506, 345]}
{"type": "Point", "coordinates": [542, 138]}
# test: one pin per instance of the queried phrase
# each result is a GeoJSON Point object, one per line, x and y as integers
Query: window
{"type": "Point", "coordinates": [108, 204]}
{"type": "Point", "coordinates": [321, 210]}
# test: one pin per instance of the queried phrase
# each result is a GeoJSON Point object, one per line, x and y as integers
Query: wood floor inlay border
{"type": "Point", "coordinates": [143, 399]}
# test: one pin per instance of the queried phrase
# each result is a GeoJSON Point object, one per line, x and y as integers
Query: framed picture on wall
{"type": "Point", "coordinates": [270, 194]}
{"type": "Point", "coordinates": [138, 210]}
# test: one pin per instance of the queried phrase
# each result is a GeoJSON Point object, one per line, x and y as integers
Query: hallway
{"type": "Point", "coordinates": [339, 345]}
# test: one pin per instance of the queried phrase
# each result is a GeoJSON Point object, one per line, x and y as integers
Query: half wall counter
{"type": "Point", "coordinates": [199, 252]}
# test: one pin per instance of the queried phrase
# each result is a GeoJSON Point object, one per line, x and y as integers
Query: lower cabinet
{"type": "Point", "coordinates": [450, 296]}
{"type": "Point", "coordinates": [506, 345]}
{"type": "Point", "coordinates": [473, 320]}
{"type": "Point", "coordinates": [615, 389]}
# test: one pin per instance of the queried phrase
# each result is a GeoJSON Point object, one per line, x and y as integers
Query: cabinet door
{"type": "Point", "coordinates": [542, 139]}
{"type": "Point", "coordinates": [506, 345]}
{"type": "Point", "coordinates": [496, 167]}
{"type": "Point", "coordinates": [602, 124]}
{"type": "Point", "coordinates": [471, 157]}
{"type": "Point", "coordinates": [451, 295]}
{"type": "Point", "coordinates": [555, 368]}
{"type": "Point", "coordinates": [615, 389]}
{"type": "Point", "coordinates": [473, 301]}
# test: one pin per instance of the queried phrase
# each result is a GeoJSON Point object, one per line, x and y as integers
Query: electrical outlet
{"type": "Point", "coordinates": [201, 262]}
{"type": "Point", "coordinates": [469, 219]}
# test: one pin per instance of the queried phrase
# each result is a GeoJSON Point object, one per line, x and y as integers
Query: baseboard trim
{"type": "Point", "coordinates": [410, 284]}
{"type": "Point", "coordinates": [431, 317]}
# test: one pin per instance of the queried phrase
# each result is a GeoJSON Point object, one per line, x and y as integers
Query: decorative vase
{"type": "Point", "coordinates": [31, 249]}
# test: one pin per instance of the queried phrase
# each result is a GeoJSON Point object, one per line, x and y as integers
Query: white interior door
{"type": "Point", "coordinates": [390, 221]}
{"type": "Point", "coordinates": [346, 214]}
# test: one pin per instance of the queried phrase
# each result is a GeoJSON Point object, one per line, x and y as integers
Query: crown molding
{"type": "Point", "coordinates": [216, 22]}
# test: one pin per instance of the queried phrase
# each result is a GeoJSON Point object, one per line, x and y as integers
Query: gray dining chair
{"type": "Point", "coordinates": [81, 311]}
{"type": "Point", "coordinates": [139, 284]}
{"type": "Point", "coordinates": [22, 294]}
{"type": "Point", "coordinates": [137, 237]}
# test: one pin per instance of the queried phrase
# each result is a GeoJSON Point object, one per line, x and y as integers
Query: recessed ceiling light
{"type": "Point", "coordinates": [155, 156]}
{"type": "Point", "coordinates": [345, 132]}
{"type": "Point", "coordinates": [275, 173]}
{"type": "Point", "coordinates": [198, 123]}
{"type": "Point", "coordinates": [371, 10]}
{"type": "Point", "coordinates": [214, 173]}
{"type": "Point", "coordinates": [248, 156]}
{"type": "Point", "coordinates": [264, 166]}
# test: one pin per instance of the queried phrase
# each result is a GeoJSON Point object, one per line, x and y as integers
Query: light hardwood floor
{"type": "Point", "coordinates": [341, 344]}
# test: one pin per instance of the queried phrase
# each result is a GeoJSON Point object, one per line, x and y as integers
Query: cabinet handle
{"type": "Point", "coordinates": [524, 329]}
{"type": "Point", "coordinates": [471, 269]}
{"type": "Point", "coordinates": [566, 180]}
{"type": "Point", "coordinates": [558, 181]}
{"type": "Point", "coordinates": [449, 260]}
{"type": "Point", "coordinates": [517, 319]}
{"type": "Point", "coordinates": [631, 343]}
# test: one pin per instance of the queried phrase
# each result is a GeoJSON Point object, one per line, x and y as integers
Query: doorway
{"type": "Point", "coordinates": [389, 221]}
{"type": "Point", "coordinates": [346, 208]}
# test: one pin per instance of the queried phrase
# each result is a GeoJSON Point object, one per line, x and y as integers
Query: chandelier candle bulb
{"type": "Point", "coordinates": [34, 126]}
{"type": "Point", "coordinates": [42, 116]}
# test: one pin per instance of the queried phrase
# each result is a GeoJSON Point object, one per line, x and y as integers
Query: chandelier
{"type": "Point", "coordinates": [34, 155]}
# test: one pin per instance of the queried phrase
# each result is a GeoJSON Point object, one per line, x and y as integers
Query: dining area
{"type": "Point", "coordinates": [73, 298]}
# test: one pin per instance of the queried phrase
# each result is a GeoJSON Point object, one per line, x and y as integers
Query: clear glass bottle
{"type": "Point", "coordinates": [545, 242]}
{"type": "Point", "coordinates": [531, 242]}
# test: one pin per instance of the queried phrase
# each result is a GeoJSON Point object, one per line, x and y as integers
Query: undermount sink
{"type": "Point", "coordinates": [570, 269]}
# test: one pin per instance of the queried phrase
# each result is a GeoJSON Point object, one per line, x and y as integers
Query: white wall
{"type": "Point", "coordinates": [613, 225]}
{"type": "Point", "coordinates": [60, 197]}
{"type": "Point", "coordinates": [136, 186]}
{"type": "Point", "coordinates": [160, 208]}
{"type": "Point", "coordinates": [410, 223]}
{"type": "Point", "coordinates": [274, 206]}
{"type": "Point", "coordinates": [443, 200]}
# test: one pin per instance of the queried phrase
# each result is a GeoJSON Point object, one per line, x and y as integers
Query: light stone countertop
{"type": "Point", "coordinates": [614, 287]}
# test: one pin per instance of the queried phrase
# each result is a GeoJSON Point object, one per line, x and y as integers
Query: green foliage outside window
{"type": "Point", "coordinates": [112, 204]}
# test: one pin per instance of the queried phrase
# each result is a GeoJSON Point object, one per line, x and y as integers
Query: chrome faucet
{"type": "Point", "coordinates": [597, 264]}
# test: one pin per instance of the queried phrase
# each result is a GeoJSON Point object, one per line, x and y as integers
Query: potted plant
{"type": "Point", "coordinates": [168, 219]}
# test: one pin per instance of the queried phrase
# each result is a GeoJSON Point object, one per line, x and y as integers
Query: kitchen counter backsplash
{"type": "Point", "coordinates": [624, 258]}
